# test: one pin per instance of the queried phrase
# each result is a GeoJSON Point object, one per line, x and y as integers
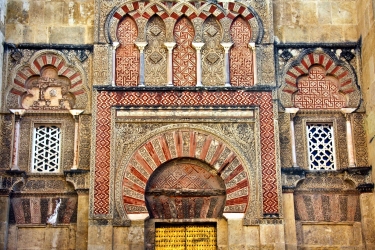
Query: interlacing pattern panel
{"type": "Point", "coordinates": [46, 149]}
{"type": "Point", "coordinates": [321, 146]}
{"type": "Point", "coordinates": [155, 53]}
{"type": "Point", "coordinates": [212, 53]}
{"type": "Point", "coordinates": [127, 55]}
{"type": "Point", "coordinates": [105, 100]}
{"type": "Point", "coordinates": [318, 91]}
{"type": "Point", "coordinates": [241, 56]}
{"type": "Point", "coordinates": [184, 56]}
{"type": "Point", "coordinates": [319, 81]}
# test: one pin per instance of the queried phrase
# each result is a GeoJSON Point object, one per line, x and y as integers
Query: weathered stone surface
{"type": "Point", "coordinates": [69, 22]}
{"type": "Point", "coordinates": [315, 21]}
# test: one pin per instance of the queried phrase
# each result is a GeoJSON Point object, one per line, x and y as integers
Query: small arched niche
{"type": "Point", "coordinates": [185, 188]}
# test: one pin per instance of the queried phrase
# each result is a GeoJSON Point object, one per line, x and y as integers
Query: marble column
{"type": "Point", "coordinates": [292, 112]}
{"type": "Point", "coordinates": [141, 46]}
{"type": "Point", "coordinates": [255, 76]}
{"type": "Point", "coordinates": [170, 46]}
{"type": "Point", "coordinates": [349, 136]}
{"type": "Point", "coordinates": [114, 47]}
{"type": "Point", "coordinates": [18, 113]}
{"type": "Point", "coordinates": [198, 47]}
{"type": "Point", "coordinates": [226, 47]}
{"type": "Point", "coordinates": [75, 113]}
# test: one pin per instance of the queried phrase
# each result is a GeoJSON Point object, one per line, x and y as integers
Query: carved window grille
{"type": "Point", "coordinates": [321, 146]}
{"type": "Point", "coordinates": [46, 149]}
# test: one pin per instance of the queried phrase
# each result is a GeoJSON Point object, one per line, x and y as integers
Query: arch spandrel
{"type": "Point", "coordinates": [192, 145]}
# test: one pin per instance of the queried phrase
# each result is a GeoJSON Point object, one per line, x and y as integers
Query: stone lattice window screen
{"type": "Point", "coordinates": [321, 148]}
{"type": "Point", "coordinates": [46, 149]}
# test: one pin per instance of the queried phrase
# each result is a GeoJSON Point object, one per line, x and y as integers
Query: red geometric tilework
{"type": "Point", "coordinates": [184, 55]}
{"type": "Point", "coordinates": [106, 99]}
{"type": "Point", "coordinates": [127, 55]}
{"type": "Point", "coordinates": [318, 91]}
{"type": "Point", "coordinates": [241, 57]}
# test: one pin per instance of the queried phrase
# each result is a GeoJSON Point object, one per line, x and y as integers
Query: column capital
{"type": "Point", "coordinates": [141, 45]}
{"type": "Point", "coordinates": [198, 46]}
{"type": "Point", "coordinates": [347, 112]}
{"type": "Point", "coordinates": [18, 112]}
{"type": "Point", "coordinates": [115, 45]}
{"type": "Point", "coordinates": [75, 112]}
{"type": "Point", "coordinates": [170, 46]}
{"type": "Point", "coordinates": [252, 46]}
{"type": "Point", "coordinates": [226, 46]}
{"type": "Point", "coordinates": [291, 111]}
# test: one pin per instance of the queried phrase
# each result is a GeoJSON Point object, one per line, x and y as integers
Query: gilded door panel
{"type": "Point", "coordinates": [189, 237]}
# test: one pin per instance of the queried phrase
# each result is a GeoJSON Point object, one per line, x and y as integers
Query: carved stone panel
{"type": "Point", "coordinates": [212, 54]}
{"type": "Point", "coordinates": [184, 55]}
{"type": "Point", "coordinates": [127, 55]}
{"type": "Point", "coordinates": [155, 53]}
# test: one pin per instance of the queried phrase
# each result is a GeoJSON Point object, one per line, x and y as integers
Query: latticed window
{"type": "Point", "coordinates": [321, 149]}
{"type": "Point", "coordinates": [46, 149]}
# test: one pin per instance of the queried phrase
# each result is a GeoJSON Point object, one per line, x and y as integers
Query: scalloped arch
{"type": "Point", "coordinates": [33, 67]}
{"type": "Point", "coordinates": [347, 80]}
{"type": "Point", "coordinates": [146, 10]}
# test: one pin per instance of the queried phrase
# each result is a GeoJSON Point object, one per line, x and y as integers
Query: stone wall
{"type": "Point", "coordinates": [315, 21]}
{"type": "Point", "coordinates": [366, 27]}
{"type": "Point", "coordinates": [56, 22]}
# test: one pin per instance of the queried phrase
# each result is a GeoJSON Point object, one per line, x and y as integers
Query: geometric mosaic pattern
{"type": "Point", "coordinates": [318, 91]}
{"type": "Point", "coordinates": [321, 148]}
{"type": "Point", "coordinates": [107, 99]}
{"type": "Point", "coordinates": [186, 143]}
{"type": "Point", "coordinates": [241, 56]}
{"type": "Point", "coordinates": [184, 55]}
{"type": "Point", "coordinates": [46, 149]}
{"type": "Point", "coordinates": [127, 55]}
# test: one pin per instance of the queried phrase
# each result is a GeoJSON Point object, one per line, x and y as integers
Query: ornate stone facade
{"type": "Point", "coordinates": [239, 117]}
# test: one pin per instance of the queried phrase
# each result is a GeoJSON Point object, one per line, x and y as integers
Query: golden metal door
{"type": "Point", "coordinates": [189, 237]}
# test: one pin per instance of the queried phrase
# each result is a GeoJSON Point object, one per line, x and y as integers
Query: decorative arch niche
{"type": "Point", "coordinates": [208, 155]}
{"type": "Point", "coordinates": [318, 76]}
{"type": "Point", "coordinates": [127, 55]}
{"type": "Point", "coordinates": [47, 82]}
{"type": "Point", "coordinates": [241, 56]}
